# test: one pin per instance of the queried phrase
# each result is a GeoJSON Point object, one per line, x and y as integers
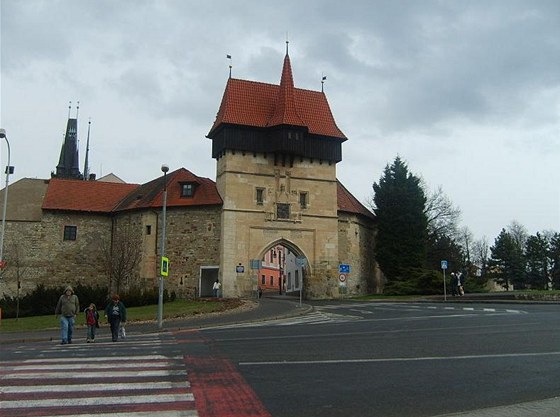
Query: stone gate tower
{"type": "Point", "coordinates": [276, 148]}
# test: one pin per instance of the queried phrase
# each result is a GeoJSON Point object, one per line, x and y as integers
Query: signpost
{"type": "Point", "coordinates": [164, 266]}
{"type": "Point", "coordinates": [301, 262]}
{"type": "Point", "coordinates": [343, 272]}
{"type": "Point", "coordinates": [344, 269]}
{"type": "Point", "coordinates": [444, 267]}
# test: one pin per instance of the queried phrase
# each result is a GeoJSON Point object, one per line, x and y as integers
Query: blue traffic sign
{"type": "Point", "coordinates": [344, 269]}
{"type": "Point", "coordinates": [443, 264]}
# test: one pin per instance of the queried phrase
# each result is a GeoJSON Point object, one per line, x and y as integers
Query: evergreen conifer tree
{"type": "Point", "coordinates": [400, 202]}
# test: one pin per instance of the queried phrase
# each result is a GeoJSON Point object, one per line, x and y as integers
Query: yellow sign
{"type": "Point", "coordinates": [164, 266]}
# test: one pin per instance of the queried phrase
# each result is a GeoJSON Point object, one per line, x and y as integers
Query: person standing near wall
{"type": "Point", "coordinates": [115, 312]}
{"type": "Point", "coordinates": [216, 287]}
{"type": "Point", "coordinates": [67, 307]}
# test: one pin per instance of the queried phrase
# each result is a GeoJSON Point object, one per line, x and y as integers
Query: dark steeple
{"type": "Point", "coordinates": [68, 164]}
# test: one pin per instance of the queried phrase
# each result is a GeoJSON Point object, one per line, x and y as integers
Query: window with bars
{"type": "Point", "coordinates": [70, 232]}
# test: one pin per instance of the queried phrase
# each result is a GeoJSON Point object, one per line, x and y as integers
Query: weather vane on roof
{"type": "Point", "coordinates": [229, 57]}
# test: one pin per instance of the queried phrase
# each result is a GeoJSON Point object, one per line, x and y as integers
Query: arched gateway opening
{"type": "Point", "coordinates": [282, 270]}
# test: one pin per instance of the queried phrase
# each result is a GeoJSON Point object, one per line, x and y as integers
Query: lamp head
{"type": "Point", "coordinates": [164, 168]}
{"type": "Point", "coordinates": [2, 133]}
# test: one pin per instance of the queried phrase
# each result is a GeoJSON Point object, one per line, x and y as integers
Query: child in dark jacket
{"type": "Point", "coordinates": [92, 321]}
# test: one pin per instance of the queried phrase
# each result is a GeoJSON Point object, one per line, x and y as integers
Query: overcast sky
{"type": "Point", "coordinates": [467, 93]}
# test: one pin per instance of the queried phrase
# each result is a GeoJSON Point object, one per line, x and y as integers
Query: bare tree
{"type": "Point", "coordinates": [480, 254]}
{"type": "Point", "coordinates": [16, 268]}
{"type": "Point", "coordinates": [519, 233]}
{"type": "Point", "coordinates": [465, 240]}
{"type": "Point", "coordinates": [122, 255]}
{"type": "Point", "coordinates": [443, 216]}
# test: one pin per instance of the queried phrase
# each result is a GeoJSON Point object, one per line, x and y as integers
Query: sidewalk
{"type": "Point", "coordinates": [267, 308]}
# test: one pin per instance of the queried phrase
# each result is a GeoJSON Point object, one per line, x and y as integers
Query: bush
{"type": "Point", "coordinates": [42, 301]}
{"type": "Point", "coordinates": [415, 281]}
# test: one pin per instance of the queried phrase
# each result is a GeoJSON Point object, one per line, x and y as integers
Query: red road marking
{"type": "Point", "coordinates": [220, 390]}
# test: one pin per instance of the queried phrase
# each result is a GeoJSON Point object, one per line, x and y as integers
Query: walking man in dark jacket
{"type": "Point", "coordinates": [67, 307]}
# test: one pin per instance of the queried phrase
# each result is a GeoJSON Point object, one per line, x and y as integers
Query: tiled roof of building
{"type": "Point", "coordinates": [348, 203]}
{"type": "Point", "coordinates": [250, 103]}
{"type": "Point", "coordinates": [151, 194]}
{"type": "Point", "coordinates": [89, 196]}
{"type": "Point", "coordinates": [106, 197]}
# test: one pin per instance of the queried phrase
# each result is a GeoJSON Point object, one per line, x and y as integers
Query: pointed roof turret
{"type": "Point", "coordinates": [285, 112]}
{"type": "Point", "coordinates": [68, 163]}
{"type": "Point", "coordinates": [261, 105]}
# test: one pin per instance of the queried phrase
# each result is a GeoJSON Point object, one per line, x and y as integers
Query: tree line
{"type": "Point", "coordinates": [417, 229]}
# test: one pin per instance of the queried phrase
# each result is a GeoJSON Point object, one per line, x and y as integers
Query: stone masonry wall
{"type": "Point", "coordinates": [38, 252]}
{"type": "Point", "coordinates": [356, 242]}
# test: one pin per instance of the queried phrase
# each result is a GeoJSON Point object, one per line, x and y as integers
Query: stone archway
{"type": "Point", "coordinates": [283, 267]}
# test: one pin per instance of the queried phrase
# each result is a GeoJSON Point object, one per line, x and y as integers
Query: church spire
{"type": "Point", "coordinates": [86, 162]}
{"type": "Point", "coordinates": [68, 163]}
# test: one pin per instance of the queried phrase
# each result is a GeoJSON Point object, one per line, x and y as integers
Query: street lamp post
{"type": "Point", "coordinates": [9, 170]}
{"type": "Point", "coordinates": [164, 169]}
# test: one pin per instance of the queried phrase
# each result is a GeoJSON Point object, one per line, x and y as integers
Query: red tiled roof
{"type": "Point", "coordinates": [348, 203]}
{"type": "Point", "coordinates": [151, 194]}
{"type": "Point", "coordinates": [106, 197]}
{"type": "Point", "coordinates": [251, 103]}
{"type": "Point", "coordinates": [90, 196]}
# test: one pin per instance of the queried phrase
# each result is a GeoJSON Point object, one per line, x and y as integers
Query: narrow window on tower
{"type": "Point", "coordinates": [260, 196]}
{"type": "Point", "coordinates": [303, 199]}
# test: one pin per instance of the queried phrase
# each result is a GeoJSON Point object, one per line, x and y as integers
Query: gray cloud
{"type": "Point", "coordinates": [461, 90]}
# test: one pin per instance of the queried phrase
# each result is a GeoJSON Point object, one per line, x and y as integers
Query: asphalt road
{"type": "Point", "coordinates": [339, 359]}
{"type": "Point", "coordinates": [390, 359]}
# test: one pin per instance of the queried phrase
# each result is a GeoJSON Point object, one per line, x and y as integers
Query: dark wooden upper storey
{"type": "Point", "coordinates": [281, 120]}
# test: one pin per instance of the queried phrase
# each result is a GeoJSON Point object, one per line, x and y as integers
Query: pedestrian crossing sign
{"type": "Point", "coordinates": [164, 266]}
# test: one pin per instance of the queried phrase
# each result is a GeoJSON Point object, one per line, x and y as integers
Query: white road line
{"type": "Point", "coordinates": [152, 385]}
{"type": "Point", "coordinates": [71, 402]}
{"type": "Point", "coordinates": [59, 367]}
{"type": "Point", "coordinates": [103, 359]}
{"type": "Point", "coordinates": [170, 413]}
{"type": "Point", "coordinates": [422, 358]}
{"type": "Point", "coordinates": [489, 309]}
{"type": "Point", "coordinates": [115, 373]}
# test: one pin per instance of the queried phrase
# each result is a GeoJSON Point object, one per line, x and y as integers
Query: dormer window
{"type": "Point", "coordinates": [187, 189]}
